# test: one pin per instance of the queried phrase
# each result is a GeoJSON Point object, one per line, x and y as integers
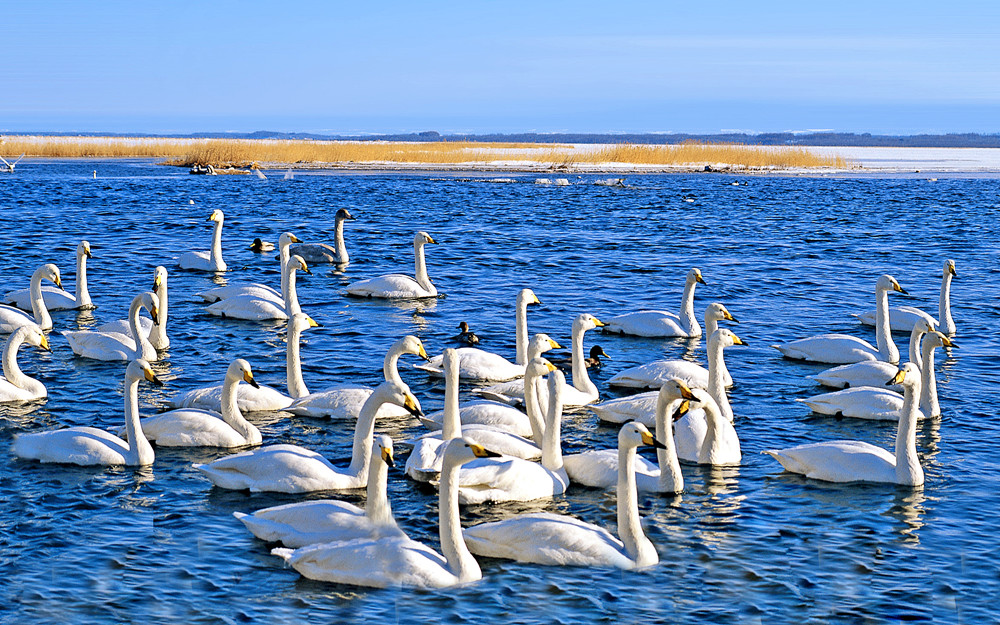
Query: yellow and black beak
{"type": "Point", "coordinates": [293, 238]}
{"type": "Point", "coordinates": [86, 252]}
{"type": "Point", "coordinates": [304, 267]}
{"type": "Point", "coordinates": [312, 323]}
{"type": "Point", "coordinates": [554, 344]}
{"type": "Point", "coordinates": [423, 352]}
{"type": "Point", "coordinates": [898, 378]}
{"type": "Point", "coordinates": [248, 378]}
{"type": "Point", "coordinates": [44, 344]}
{"type": "Point", "coordinates": [598, 323]}
{"type": "Point", "coordinates": [157, 283]}
{"type": "Point", "coordinates": [387, 457]}
{"type": "Point", "coordinates": [729, 317]}
{"type": "Point", "coordinates": [951, 270]}
{"type": "Point", "coordinates": [738, 341]}
{"type": "Point", "coordinates": [682, 410]}
{"type": "Point", "coordinates": [211, 217]}
{"type": "Point", "coordinates": [537, 301]}
{"type": "Point", "coordinates": [58, 282]}
{"type": "Point", "coordinates": [151, 377]}
{"type": "Point", "coordinates": [686, 392]}
{"type": "Point", "coordinates": [482, 452]}
{"type": "Point", "coordinates": [412, 406]}
{"type": "Point", "coordinates": [947, 342]}
{"type": "Point", "coordinates": [155, 312]}
{"type": "Point", "coordinates": [551, 367]}
{"type": "Point", "coordinates": [648, 439]}
{"type": "Point", "coordinates": [430, 239]}
{"type": "Point", "coordinates": [700, 280]}
{"type": "Point", "coordinates": [898, 289]}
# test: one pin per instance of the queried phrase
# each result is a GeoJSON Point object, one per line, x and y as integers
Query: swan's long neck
{"type": "Point", "coordinates": [158, 334]}
{"type": "Point", "coordinates": [711, 323]}
{"type": "Point", "coordinates": [886, 348]}
{"type": "Point", "coordinates": [451, 427]}
{"type": "Point", "coordinates": [915, 335]}
{"type": "Point", "coordinates": [139, 449]}
{"type": "Point", "coordinates": [521, 325]}
{"type": "Point", "coordinates": [671, 478]}
{"type": "Point", "coordinates": [284, 254]}
{"type": "Point", "coordinates": [231, 412]}
{"type": "Point", "coordinates": [140, 338]}
{"type": "Point", "coordinates": [420, 267]}
{"type": "Point", "coordinates": [460, 561]}
{"type": "Point", "coordinates": [928, 382]}
{"type": "Point", "coordinates": [13, 372]}
{"type": "Point", "coordinates": [216, 253]}
{"type": "Point", "coordinates": [338, 241]}
{"type": "Point", "coordinates": [908, 469]}
{"type": "Point", "coordinates": [945, 323]}
{"type": "Point", "coordinates": [552, 437]}
{"type": "Point", "coordinates": [377, 507]}
{"type": "Point", "coordinates": [716, 382]}
{"type": "Point", "coordinates": [688, 320]}
{"type": "Point", "coordinates": [293, 364]}
{"type": "Point", "coordinates": [533, 409]}
{"type": "Point", "coordinates": [581, 379]}
{"type": "Point", "coordinates": [713, 434]}
{"type": "Point", "coordinates": [38, 308]}
{"type": "Point", "coordinates": [291, 295]}
{"type": "Point", "coordinates": [390, 365]}
{"type": "Point", "coordinates": [364, 432]}
{"type": "Point", "coordinates": [637, 546]}
{"type": "Point", "coordinates": [82, 294]}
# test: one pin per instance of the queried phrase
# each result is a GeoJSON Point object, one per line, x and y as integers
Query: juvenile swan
{"type": "Point", "coordinates": [324, 253]}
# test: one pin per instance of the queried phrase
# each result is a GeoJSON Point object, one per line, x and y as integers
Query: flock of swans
{"type": "Point", "coordinates": [503, 447]}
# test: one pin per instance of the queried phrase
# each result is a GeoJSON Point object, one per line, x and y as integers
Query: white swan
{"type": "Point", "coordinates": [857, 461]}
{"type": "Point", "coordinates": [344, 401]}
{"type": "Point", "coordinates": [294, 469]}
{"type": "Point", "coordinates": [212, 259]}
{"type": "Point", "coordinates": [14, 385]}
{"type": "Point", "coordinates": [256, 289]}
{"type": "Point", "coordinates": [880, 403]}
{"type": "Point", "coordinates": [478, 364]}
{"type": "Point", "coordinates": [424, 462]}
{"type": "Point", "coordinates": [91, 446]}
{"type": "Point", "coordinates": [902, 318]}
{"type": "Point", "coordinates": [324, 520]}
{"type": "Point", "coordinates": [252, 308]}
{"type": "Point", "coordinates": [401, 561]}
{"type": "Point", "coordinates": [873, 372]}
{"type": "Point", "coordinates": [191, 427]}
{"type": "Point", "coordinates": [11, 318]}
{"type": "Point", "coordinates": [515, 479]}
{"type": "Point", "coordinates": [660, 323]}
{"type": "Point", "coordinates": [114, 345]}
{"type": "Point", "coordinates": [323, 253]}
{"type": "Point", "coordinates": [558, 539]}
{"type": "Point", "coordinates": [719, 444]}
{"type": "Point", "coordinates": [844, 349]}
{"type": "Point", "coordinates": [56, 298]}
{"type": "Point", "coordinates": [156, 332]}
{"type": "Point", "coordinates": [399, 286]}
{"type": "Point", "coordinates": [582, 392]}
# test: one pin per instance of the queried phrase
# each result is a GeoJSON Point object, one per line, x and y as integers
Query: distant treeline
{"type": "Point", "coordinates": [964, 140]}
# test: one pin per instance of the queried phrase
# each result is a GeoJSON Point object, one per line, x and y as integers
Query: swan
{"type": "Point", "coordinates": [465, 335]}
{"type": "Point", "coordinates": [191, 427]}
{"type": "Point", "coordinates": [558, 539]}
{"type": "Point", "coordinates": [483, 366]}
{"type": "Point", "coordinates": [660, 323]}
{"type": "Point", "coordinates": [424, 462]}
{"type": "Point", "coordinates": [873, 372]}
{"type": "Point", "coordinates": [114, 345]}
{"type": "Point", "coordinates": [56, 298]}
{"type": "Point", "coordinates": [842, 349]}
{"type": "Point", "coordinates": [515, 479]}
{"type": "Point", "coordinates": [344, 401]}
{"type": "Point", "coordinates": [654, 374]}
{"type": "Point", "coordinates": [399, 286]}
{"type": "Point", "coordinates": [11, 318]}
{"type": "Point", "coordinates": [91, 446]}
{"type": "Point", "coordinates": [582, 392]}
{"type": "Point", "coordinates": [14, 385]}
{"type": "Point", "coordinates": [261, 246]}
{"type": "Point", "coordinates": [253, 308]}
{"type": "Point", "coordinates": [211, 260]}
{"type": "Point", "coordinates": [880, 403]}
{"type": "Point", "coordinates": [256, 289]}
{"type": "Point", "coordinates": [156, 332]}
{"type": "Point", "coordinates": [398, 560]}
{"type": "Point", "coordinates": [324, 520]}
{"type": "Point", "coordinates": [719, 444]}
{"type": "Point", "coordinates": [857, 461]}
{"type": "Point", "coordinates": [323, 253]}
{"type": "Point", "coordinates": [902, 318]}
{"type": "Point", "coordinates": [294, 469]}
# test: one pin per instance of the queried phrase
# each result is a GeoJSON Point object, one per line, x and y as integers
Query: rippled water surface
{"type": "Point", "coordinates": [789, 257]}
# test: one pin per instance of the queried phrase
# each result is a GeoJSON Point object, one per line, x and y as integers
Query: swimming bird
{"type": "Point", "coordinates": [9, 167]}
{"type": "Point", "coordinates": [593, 362]}
{"type": "Point", "coordinates": [257, 289]}
{"type": "Point", "coordinates": [259, 246]}
{"type": "Point", "coordinates": [873, 372]}
{"type": "Point", "coordinates": [398, 286]}
{"type": "Point", "coordinates": [323, 253]}
{"type": "Point", "coordinates": [155, 332]}
{"type": "Point", "coordinates": [11, 318]}
{"type": "Point", "coordinates": [465, 335]}
{"type": "Point", "coordinates": [902, 318]}
{"type": "Point", "coordinates": [57, 298]}
{"type": "Point", "coordinates": [100, 345]}
{"type": "Point", "coordinates": [15, 386]}
{"type": "Point", "coordinates": [660, 323]}
{"type": "Point", "coordinates": [254, 308]}
{"type": "Point", "coordinates": [212, 259]}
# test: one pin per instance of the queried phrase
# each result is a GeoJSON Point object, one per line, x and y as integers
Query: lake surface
{"type": "Point", "coordinates": [789, 256]}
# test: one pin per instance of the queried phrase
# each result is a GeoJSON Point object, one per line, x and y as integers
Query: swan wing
{"type": "Point", "coordinates": [341, 402]}
{"type": "Point", "coordinates": [838, 461]}
{"type": "Point", "coordinates": [278, 468]}
{"type": "Point", "coordinates": [867, 373]}
{"type": "Point", "coordinates": [261, 291]}
{"type": "Point", "coordinates": [310, 522]}
{"type": "Point", "coordinates": [863, 402]}
{"type": "Point", "coordinates": [55, 299]}
{"type": "Point", "coordinates": [248, 399]}
{"type": "Point", "coordinates": [508, 479]}
{"type": "Point", "coordinates": [490, 413]}
{"type": "Point", "coordinates": [502, 442]}
{"type": "Point", "coordinates": [249, 308]}
{"type": "Point", "coordinates": [101, 346]}
{"type": "Point", "coordinates": [598, 468]}
{"type": "Point", "coordinates": [11, 319]}
{"type": "Point", "coordinates": [476, 364]}
{"type": "Point", "coordinates": [426, 458]}
{"type": "Point", "coordinates": [651, 323]}
{"type": "Point", "coordinates": [76, 445]}
{"type": "Point", "coordinates": [655, 374]}
{"type": "Point", "coordinates": [315, 252]}
{"type": "Point", "coordinates": [190, 428]}
{"type": "Point", "coordinates": [641, 408]}
{"type": "Point", "coordinates": [392, 286]}
{"type": "Point", "coordinates": [121, 327]}
{"type": "Point", "coordinates": [839, 349]}
{"type": "Point", "coordinates": [901, 318]}
{"type": "Point", "coordinates": [201, 261]}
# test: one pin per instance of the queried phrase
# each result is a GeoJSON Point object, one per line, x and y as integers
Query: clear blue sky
{"type": "Point", "coordinates": [475, 66]}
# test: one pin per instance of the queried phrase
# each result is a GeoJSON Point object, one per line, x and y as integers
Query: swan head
{"type": "Point", "coordinates": [726, 337]}
{"type": "Point", "coordinates": [49, 272]}
{"type": "Point", "coordinates": [675, 388]}
{"type": "Point", "coordinates": [527, 296]}
{"type": "Point", "coordinates": [937, 339]}
{"type": "Point", "coordinates": [949, 268]}
{"type": "Point", "coordinates": [538, 367]}
{"type": "Point", "coordinates": [342, 214]}
{"type": "Point", "coordinates": [908, 376]}
{"type": "Point", "coordinates": [542, 343]}
{"type": "Point", "coordinates": [159, 279]}
{"type": "Point", "coordinates": [139, 369]}
{"type": "Point", "coordinates": [585, 322]}
{"type": "Point", "coordinates": [240, 370]}
{"type": "Point", "coordinates": [422, 238]}
{"type": "Point", "coordinates": [382, 446]}
{"type": "Point", "coordinates": [923, 325]}
{"type": "Point", "coordinates": [702, 399]}
{"type": "Point", "coordinates": [297, 262]}
{"type": "Point", "coordinates": [399, 394]}
{"type": "Point", "coordinates": [150, 302]}
{"type": "Point", "coordinates": [888, 283]}
{"type": "Point", "coordinates": [410, 344]}
{"type": "Point", "coordinates": [300, 322]}
{"type": "Point", "coordinates": [286, 239]}
{"type": "Point", "coordinates": [718, 312]}
{"type": "Point", "coordinates": [462, 450]}
{"type": "Point", "coordinates": [695, 276]}
{"type": "Point", "coordinates": [32, 335]}
{"type": "Point", "coordinates": [83, 249]}
{"type": "Point", "coordinates": [217, 216]}
{"type": "Point", "coordinates": [635, 434]}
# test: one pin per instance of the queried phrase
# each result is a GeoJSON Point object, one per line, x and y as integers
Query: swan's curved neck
{"type": "Point", "coordinates": [908, 469]}
{"type": "Point", "coordinates": [390, 365]}
{"type": "Point", "coordinates": [711, 324]}
{"type": "Point", "coordinates": [716, 381]}
{"type": "Point", "coordinates": [140, 338]}
{"type": "Point", "coordinates": [671, 478]}
{"type": "Point", "coordinates": [521, 326]}
{"type": "Point", "coordinates": [420, 267]}
{"type": "Point", "coordinates": [533, 409]}
{"type": "Point", "coordinates": [945, 323]}
{"type": "Point", "coordinates": [928, 382]}
{"type": "Point", "coordinates": [377, 507]}
{"type": "Point", "coordinates": [552, 437]}
{"type": "Point", "coordinates": [713, 435]}
{"type": "Point", "coordinates": [283, 255]}
{"type": "Point", "coordinates": [364, 432]}
{"type": "Point", "coordinates": [82, 294]}
{"type": "Point", "coordinates": [338, 241]}
{"type": "Point", "coordinates": [216, 253]}
{"type": "Point", "coordinates": [231, 412]}
{"type": "Point", "coordinates": [460, 561]}
{"type": "Point", "coordinates": [688, 320]}
{"type": "Point", "coordinates": [915, 336]}
{"type": "Point", "coordinates": [139, 449]}
{"type": "Point", "coordinates": [291, 295]}
{"type": "Point", "coordinates": [581, 379]}
{"type": "Point", "coordinates": [13, 372]}
{"type": "Point", "coordinates": [451, 427]}
{"type": "Point", "coordinates": [293, 364]}
{"type": "Point", "coordinates": [38, 308]}
{"type": "Point", "coordinates": [637, 546]}
{"type": "Point", "coordinates": [886, 348]}
{"type": "Point", "coordinates": [158, 334]}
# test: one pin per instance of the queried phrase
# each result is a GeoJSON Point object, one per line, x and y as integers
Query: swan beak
{"type": "Point", "coordinates": [729, 317]}
{"type": "Point", "coordinates": [952, 271]}
{"type": "Point", "coordinates": [899, 289]}
{"type": "Point", "coordinates": [700, 280]}
{"type": "Point", "coordinates": [387, 457]}
{"type": "Point", "coordinates": [86, 251]}
{"type": "Point", "coordinates": [304, 268]}
{"type": "Point", "coordinates": [482, 452]}
{"type": "Point", "coordinates": [554, 344]}
{"type": "Point", "coordinates": [151, 377]}
{"type": "Point", "coordinates": [248, 378]}
{"type": "Point", "coordinates": [536, 301]}
{"type": "Point", "coordinates": [897, 379]}
{"type": "Point", "coordinates": [58, 281]}
{"type": "Point", "coordinates": [947, 342]}
{"type": "Point", "coordinates": [294, 239]}
{"type": "Point", "coordinates": [430, 239]}
{"type": "Point", "coordinates": [738, 341]}
{"type": "Point", "coordinates": [682, 410]}
{"type": "Point", "coordinates": [156, 285]}
{"type": "Point", "coordinates": [311, 322]}
{"type": "Point", "coordinates": [348, 215]}
{"type": "Point", "coordinates": [686, 392]}
{"type": "Point", "coordinates": [423, 352]}
{"type": "Point", "coordinates": [44, 343]}
{"type": "Point", "coordinates": [648, 439]}
{"type": "Point", "coordinates": [551, 367]}
{"type": "Point", "coordinates": [155, 312]}
{"type": "Point", "coordinates": [598, 323]}
{"type": "Point", "coordinates": [412, 406]}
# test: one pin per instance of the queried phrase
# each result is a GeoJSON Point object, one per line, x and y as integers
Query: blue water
{"type": "Point", "coordinates": [789, 257]}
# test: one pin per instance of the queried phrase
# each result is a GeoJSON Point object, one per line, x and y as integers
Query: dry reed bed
{"type": "Point", "coordinates": [245, 152]}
